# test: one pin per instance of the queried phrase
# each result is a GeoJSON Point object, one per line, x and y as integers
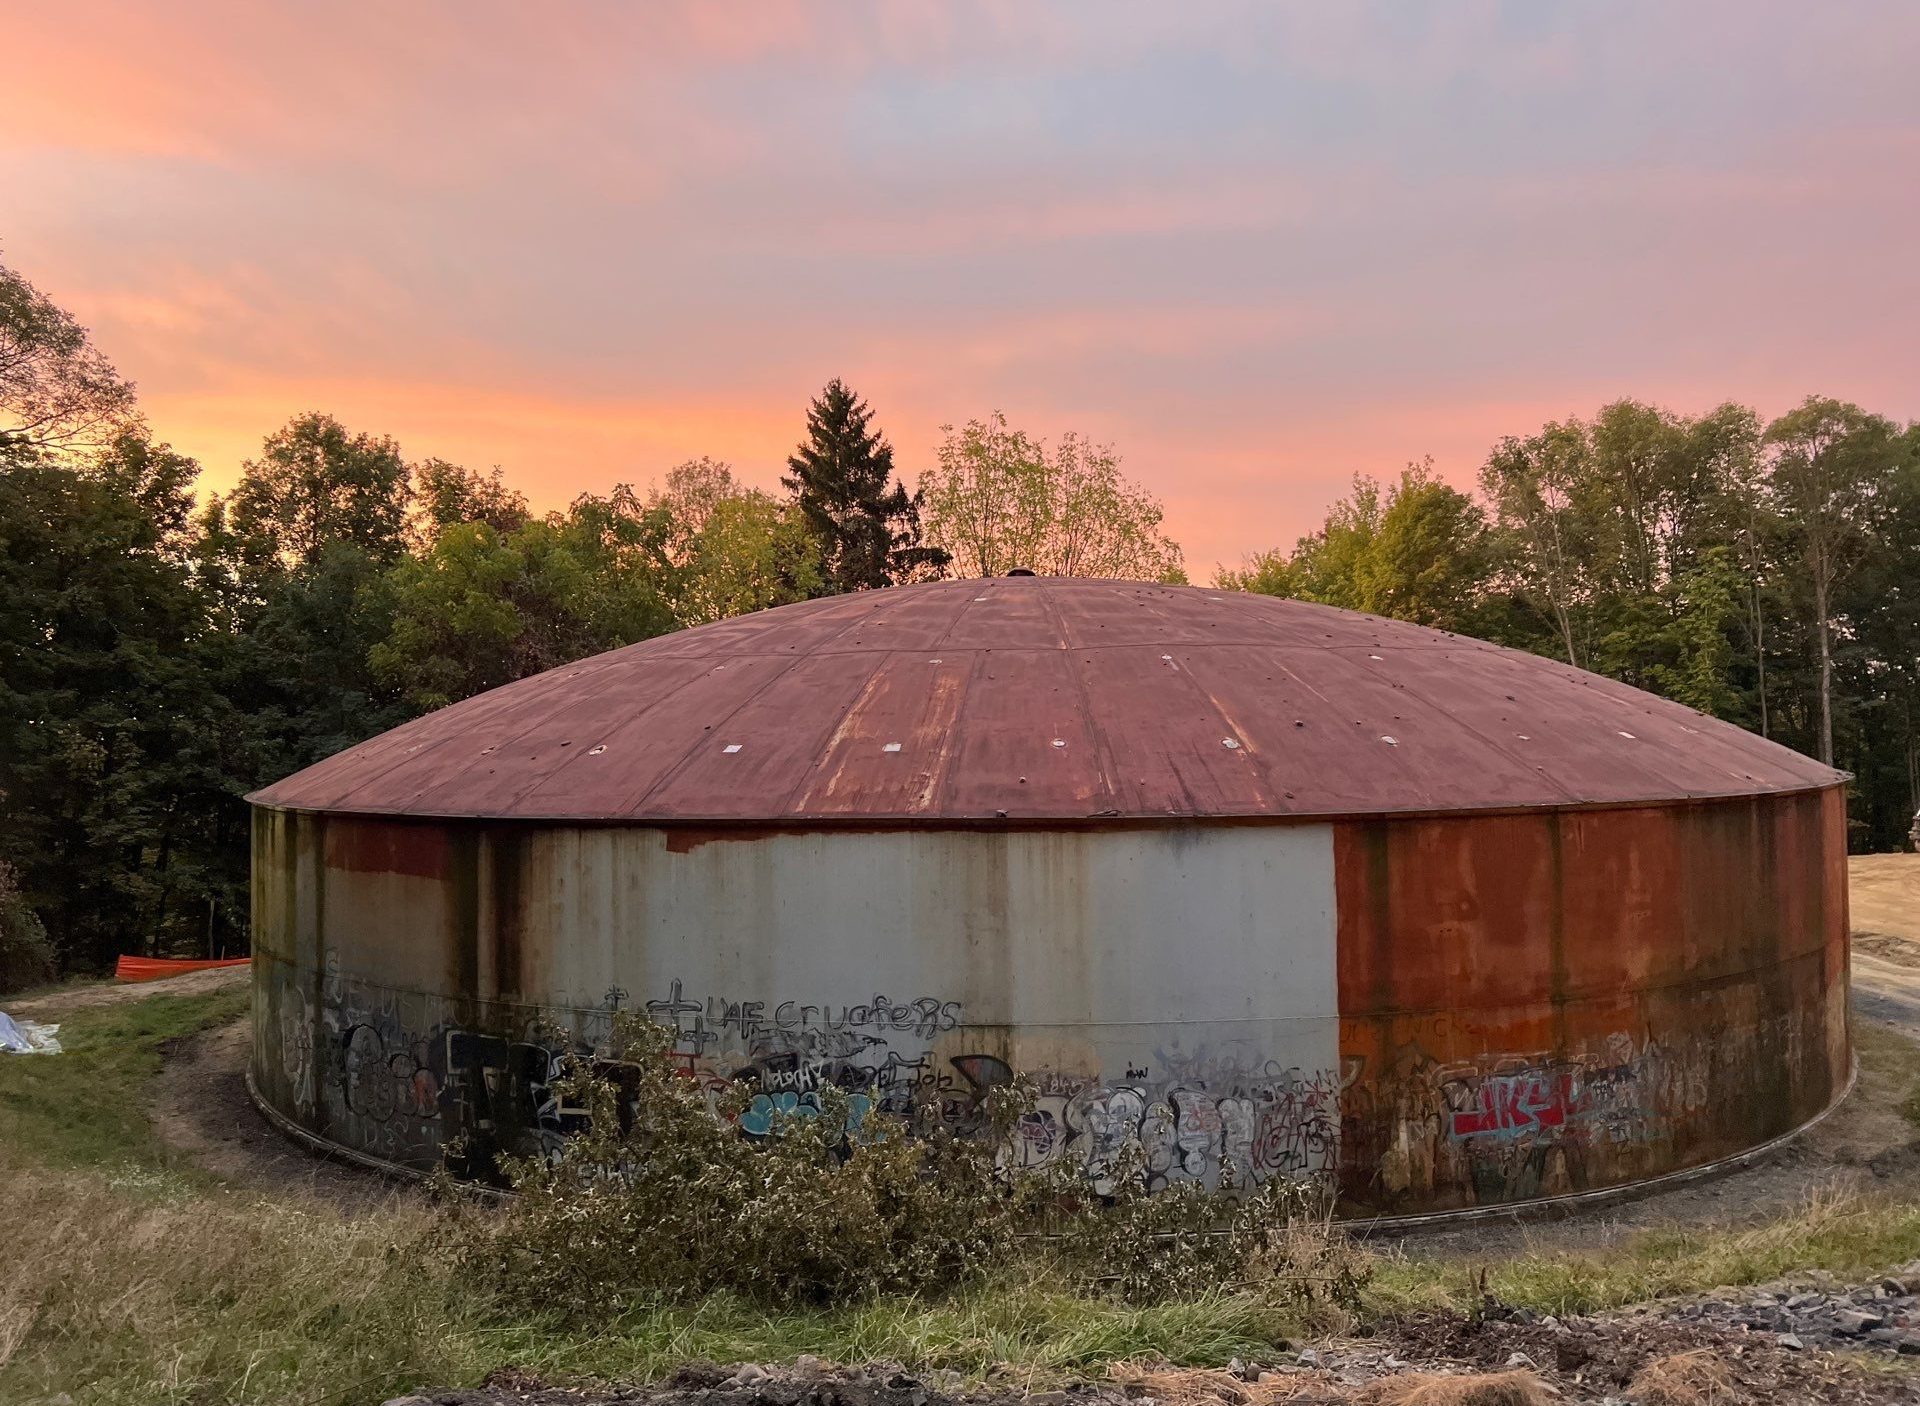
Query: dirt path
{"type": "Point", "coordinates": [1883, 892]}
{"type": "Point", "coordinates": [114, 993]}
{"type": "Point", "coordinates": [201, 1108]}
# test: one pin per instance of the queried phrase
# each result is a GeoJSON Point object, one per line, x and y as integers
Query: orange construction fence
{"type": "Point", "coordinates": [153, 968]}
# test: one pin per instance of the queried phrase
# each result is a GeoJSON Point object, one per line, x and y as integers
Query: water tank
{"type": "Point", "coordinates": [1257, 888]}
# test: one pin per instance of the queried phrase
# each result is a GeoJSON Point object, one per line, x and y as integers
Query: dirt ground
{"type": "Point", "coordinates": [55, 1005]}
{"type": "Point", "coordinates": [1428, 1361]}
{"type": "Point", "coordinates": [203, 1110]}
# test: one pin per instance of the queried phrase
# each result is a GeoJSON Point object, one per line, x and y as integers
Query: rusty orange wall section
{"type": "Point", "coordinates": [1543, 1004]}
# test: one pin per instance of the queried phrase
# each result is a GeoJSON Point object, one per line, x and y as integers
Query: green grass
{"type": "Point", "coordinates": [1851, 1236]}
{"type": "Point", "coordinates": [86, 1107]}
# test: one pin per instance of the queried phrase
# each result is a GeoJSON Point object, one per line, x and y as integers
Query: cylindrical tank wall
{"type": "Point", "coordinates": [1441, 1012]}
{"type": "Point", "coordinates": [1541, 1004]}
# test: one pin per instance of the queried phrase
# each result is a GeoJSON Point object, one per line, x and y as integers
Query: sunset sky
{"type": "Point", "coordinates": [1259, 247]}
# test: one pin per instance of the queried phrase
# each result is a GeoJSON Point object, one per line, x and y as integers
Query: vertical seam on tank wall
{"type": "Point", "coordinates": [686, 757]}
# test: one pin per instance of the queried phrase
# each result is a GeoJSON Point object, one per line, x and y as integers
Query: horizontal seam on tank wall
{"type": "Point", "coordinates": [890, 822]}
{"type": "Point", "coordinates": [1398, 1012]}
{"type": "Point", "coordinates": [522, 1004]}
{"type": "Point", "coordinates": [1707, 983]}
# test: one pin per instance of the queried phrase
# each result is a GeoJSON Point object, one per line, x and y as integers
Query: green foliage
{"type": "Point", "coordinates": [481, 607]}
{"type": "Point", "coordinates": [999, 499]}
{"type": "Point", "coordinates": [1765, 576]}
{"type": "Point", "coordinates": [842, 481]}
{"type": "Point", "coordinates": [108, 734]}
{"type": "Point", "coordinates": [660, 1199]}
{"type": "Point", "coordinates": [1416, 549]}
{"type": "Point", "coordinates": [663, 1199]}
{"type": "Point", "coordinates": [446, 495]}
{"type": "Point", "coordinates": [315, 486]}
{"type": "Point", "coordinates": [26, 957]}
{"type": "Point", "coordinates": [733, 549]}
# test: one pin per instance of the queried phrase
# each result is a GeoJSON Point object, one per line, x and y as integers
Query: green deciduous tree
{"type": "Point", "coordinates": [482, 607]}
{"type": "Point", "coordinates": [110, 733]}
{"type": "Point", "coordinates": [1830, 463]}
{"type": "Point", "coordinates": [445, 494]}
{"type": "Point", "coordinates": [998, 499]}
{"type": "Point", "coordinates": [733, 548]}
{"type": "Point", "coordinates": [1532, 487]}
{"type": "Point", "coordinates": [1416, 549]}
{"type": "Point", "coordinates": [317, 485]}
{"type": "Point", "coordinates": [58, 393]}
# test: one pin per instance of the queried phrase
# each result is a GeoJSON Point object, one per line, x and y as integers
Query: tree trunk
{"type": "Point", "coordinates": [1826, 667]}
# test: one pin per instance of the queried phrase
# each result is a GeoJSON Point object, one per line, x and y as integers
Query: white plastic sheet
{"type": "Point", "coordinates": [27, 1037]}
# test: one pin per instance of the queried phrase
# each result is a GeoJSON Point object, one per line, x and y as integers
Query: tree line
{"type": "Point", "coordinates": [162, 652]}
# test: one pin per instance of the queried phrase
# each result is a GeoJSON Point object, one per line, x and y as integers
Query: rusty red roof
{"type": "Point", "coordinates": [1045, 699]}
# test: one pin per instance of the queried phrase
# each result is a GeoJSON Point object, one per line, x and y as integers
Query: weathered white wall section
{"type": "Point", "coordinates": [1182, 982]}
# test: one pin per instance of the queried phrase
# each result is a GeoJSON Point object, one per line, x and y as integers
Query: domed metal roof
{"type": "Point", "coordinates": [1045, 699]}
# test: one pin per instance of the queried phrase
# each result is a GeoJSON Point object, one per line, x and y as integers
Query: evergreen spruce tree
{"type": "Point", "coordinates": [842, 480]}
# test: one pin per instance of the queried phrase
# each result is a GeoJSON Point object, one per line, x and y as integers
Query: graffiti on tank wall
{"type": "Point", "coordinates": [399, 1074]}
{"type": "Point", "coordinates": [1218, 1125]}
{"type": "Point", "coordinates": [296, 1050]}
{"type": "Point", "coordinates": [1506, 1127]}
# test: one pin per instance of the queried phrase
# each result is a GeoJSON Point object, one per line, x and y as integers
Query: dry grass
{"type": "Point", "coordinates": [1697, 1378]}
{"type": "Point", "coordinates": [145, 1289]}
{"type": "Point", "coordinates": [1437, 1389]}
{"type": "Point", "coordinates": [1195, 1386]}
{"type": "Point", "coordinates": [1186, 1386]}
{"type": "Point", "coordinates": [140, 1287]}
